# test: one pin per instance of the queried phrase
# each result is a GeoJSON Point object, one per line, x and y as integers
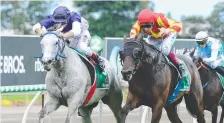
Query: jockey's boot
{"type": "Point", "coordinates": [98, 61]}
{"type": "Point", "coordinates": [220, 70]}
{"type": "Point", "coordinates": [180, 64]}
{"type": "Point", "coordinates": [185, 82]}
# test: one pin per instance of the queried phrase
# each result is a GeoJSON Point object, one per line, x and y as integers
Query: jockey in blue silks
{"type": "Point", "coordinates": [210, 50]}
{"type": "Point", "coordinates": [72, 27]}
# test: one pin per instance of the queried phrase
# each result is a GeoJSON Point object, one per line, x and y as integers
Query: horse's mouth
{"type": "Point", "coordinates": [47, 67]}
{"type": "Point", "coordinates": [127, 77]}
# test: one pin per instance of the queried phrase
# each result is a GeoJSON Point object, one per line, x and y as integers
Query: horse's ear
{"type": "Point", "coordinates": [125, 38]}
{"type": "Point", "coordinates": [139, 37]}
{"type": "Point", "coordinates": [192, 52]}
{"type": "Point", "coordinates": [185, 50]}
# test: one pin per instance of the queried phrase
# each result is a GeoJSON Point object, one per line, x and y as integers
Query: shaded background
{"type": "Point", "coordinates": [115, 18]}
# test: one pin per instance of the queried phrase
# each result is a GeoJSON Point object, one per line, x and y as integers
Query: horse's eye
{"type": "Point", "coordinates": [136, 53]}
{"type": "Point", "coordinates": [121, 53]}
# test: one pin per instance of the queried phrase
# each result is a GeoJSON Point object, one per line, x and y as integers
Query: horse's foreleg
{"type": "Point", "coordinates": [124, 111]}
{"type": "Point", "coordinates": [157, 111]}
{"type": "Point", "coordinates": [214, 114]}
{"type": "Point", "coordinates": [131, 103]}
{"type": "Point", "coordinates": [49, 107]}
{"type": "Point", "coordinates": [74, 101]}
{"type": "Point", "coordinates": [115, 106]}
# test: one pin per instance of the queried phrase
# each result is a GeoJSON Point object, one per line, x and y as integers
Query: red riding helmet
{"type": "Point", "coordinates": [145, 16]}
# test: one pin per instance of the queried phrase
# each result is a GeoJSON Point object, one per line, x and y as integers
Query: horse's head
{"type": "Point", "coordinates": [51, 47]}
{"type": "Point", "coordinates": [133, 54]}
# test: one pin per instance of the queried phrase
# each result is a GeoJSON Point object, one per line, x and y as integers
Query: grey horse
{"type": "Point", "coordinates": [69, 81]}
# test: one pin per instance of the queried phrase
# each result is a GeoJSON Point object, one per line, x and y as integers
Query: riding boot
{"type": "Point", "coordinates": [185, 81]}
{"type": "Point", "coordinates": [220, 70]}
{"type": "Point", "coordinates": [98, 61]}
{"type": "Point", "coordinates": [180, 64]}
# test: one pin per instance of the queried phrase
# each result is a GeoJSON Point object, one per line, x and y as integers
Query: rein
{"type": "Point", "coordinates": [202, 66]}
{"type": "Point", "coordinates": [59, 48]}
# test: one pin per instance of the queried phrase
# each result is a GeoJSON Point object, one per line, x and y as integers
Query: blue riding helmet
{"type": "Point", "coordinates": [61, 14]}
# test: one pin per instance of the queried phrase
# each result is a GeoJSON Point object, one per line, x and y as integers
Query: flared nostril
{"type": "Point", "coordinates": [124, 72]}
{"type": "Point", "coordinates": [49, 61]}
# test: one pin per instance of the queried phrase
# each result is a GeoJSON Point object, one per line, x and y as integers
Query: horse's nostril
{"type": "Point", "coordinates": [124, 72]}
{"type": "Point", "coordinates": [43, 62]}
{"type": "Point", "coordinates": [49, 61]}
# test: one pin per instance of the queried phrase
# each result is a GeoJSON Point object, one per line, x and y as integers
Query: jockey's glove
{"type": "Point", "coordinates": [61, 35]}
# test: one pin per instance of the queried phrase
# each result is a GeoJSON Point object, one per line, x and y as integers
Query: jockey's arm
{"type": "Point", "coordinates": [169, 24]}
{"type": "Point", "coordinates": [75, 31]}
{"type": "Point", "coordinates": [135, 30]}
{"type": "Point", "coordinates": [41, 27]}
{"type": "Point", "coordinates": [214, 53]}
{"type": "Point", "coordinates": [40, 30]}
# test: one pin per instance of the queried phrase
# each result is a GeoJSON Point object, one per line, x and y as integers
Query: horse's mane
{"type": "Point", "coordinates": [149, 46]}
{"type": "Point", "coordinates": [150, 52]}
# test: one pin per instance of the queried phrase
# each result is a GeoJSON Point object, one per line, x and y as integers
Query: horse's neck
{"type": "Point", "coordinates": [71, 59]}
{"type": "Point", "coordinates": [145, 71]}
{"type": "Point", "coordinates": [68, 52]}
{"type": "Point", "coordinates": [159, 55]}
{"type": "Point", "coordinates": [206, 75]}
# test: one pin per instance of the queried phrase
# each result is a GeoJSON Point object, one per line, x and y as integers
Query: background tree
{"type": "Point", "coordinates": [217, 26]}
{"type": "Point", "coordinates": [20, 16]}
{"type": "Point", "coordinates": [193, 24]}
{"type": "Point", "coordinates": [111, 18]}
{"type": "Point", "coordinates": [213, 24]}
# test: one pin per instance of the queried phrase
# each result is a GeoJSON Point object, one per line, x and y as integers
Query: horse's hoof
{"type": "Point", "coordinates": [41, 120]}
{"type": "Point", "coordinates": [41, 114]}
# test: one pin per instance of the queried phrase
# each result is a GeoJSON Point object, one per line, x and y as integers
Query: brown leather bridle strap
{"type": "Point", "coordinates": [202, 66]}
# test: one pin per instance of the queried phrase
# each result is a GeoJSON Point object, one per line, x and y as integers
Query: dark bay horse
{"type": "Point", "coordinates": [151, 82]}
{"type": "Point", "coordinates": [212, 87]}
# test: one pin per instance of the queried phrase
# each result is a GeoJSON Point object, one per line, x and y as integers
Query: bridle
{"type": "Point", "coordinates": [202, 66]}
{"type": "Point", "coordinates": [136, 59]}
{"type": "Point", "coordinates": [59, 48]}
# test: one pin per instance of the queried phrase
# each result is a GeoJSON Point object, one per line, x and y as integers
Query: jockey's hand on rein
{"type": "Point", "coordinates": [61, 36]}
{"type": "Point", "coordinates": [200, 60]}
{"type": "Point", "coordinates": [165, 31]}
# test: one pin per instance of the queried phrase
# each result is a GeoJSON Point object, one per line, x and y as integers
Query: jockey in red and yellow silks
{"type": "Point", "coordinates": [160, 22]}
{"type": "Point", "coordinates": [162, 33]}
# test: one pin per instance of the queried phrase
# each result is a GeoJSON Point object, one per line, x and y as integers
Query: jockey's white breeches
{"type": "Point", "coordinates": [164, 45]}
{"type": "Point", "coordinates": [81, 43]}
